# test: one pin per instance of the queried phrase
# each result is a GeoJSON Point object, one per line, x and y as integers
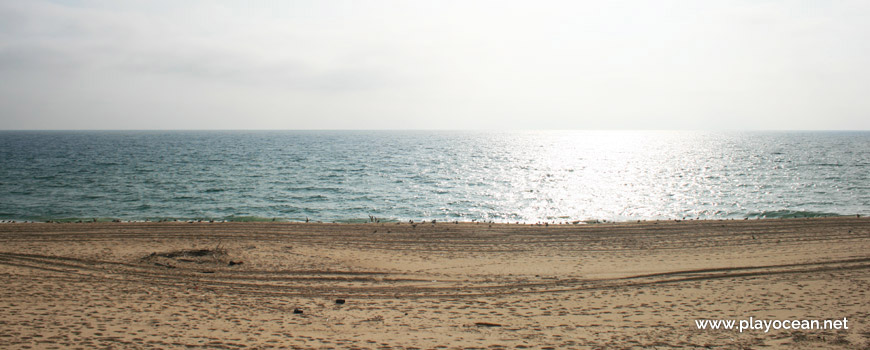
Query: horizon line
{"type": "Point", "coordinates": [470, 129]}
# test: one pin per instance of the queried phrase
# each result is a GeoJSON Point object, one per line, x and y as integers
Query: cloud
{"type": "Point", "coordinates": [63, 38]}
{"type": "Point", "coordinates": [446, 64]}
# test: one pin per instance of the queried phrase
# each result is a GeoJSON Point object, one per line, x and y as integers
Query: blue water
{"type": "Point", "coordinates": [346, 176]}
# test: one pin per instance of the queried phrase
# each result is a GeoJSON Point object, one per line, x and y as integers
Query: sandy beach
{"type": "Point", "coordinates": [441, 285]}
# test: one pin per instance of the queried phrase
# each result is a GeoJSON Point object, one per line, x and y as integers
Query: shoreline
{"type": "Point", "coordinates": [776, 215]}
{"type": "Point", "coordinates": [456, 285]}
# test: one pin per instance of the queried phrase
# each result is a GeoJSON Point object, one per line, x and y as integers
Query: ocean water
{"type": "Point", "coordinates": [510, 176]}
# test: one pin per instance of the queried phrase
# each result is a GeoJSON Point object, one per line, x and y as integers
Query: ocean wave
{"type": "Point", "coordinates": [233, 218]}
{"type": "Point", "coordinates": [69, 219]}
{"type": "Point", "coordinates": [363, 220]}
{"type": "Point", "coordinates": [789, 214]}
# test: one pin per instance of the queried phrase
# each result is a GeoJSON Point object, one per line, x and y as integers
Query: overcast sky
{"type": "Point", "coordinates": [357, 64]}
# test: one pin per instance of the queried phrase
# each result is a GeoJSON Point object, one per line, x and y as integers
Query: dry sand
{"type": "Point", "coordinates": [467, 285]}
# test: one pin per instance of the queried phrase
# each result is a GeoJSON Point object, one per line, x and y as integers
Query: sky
{"type": "Point", "coordinates": [354, 64]}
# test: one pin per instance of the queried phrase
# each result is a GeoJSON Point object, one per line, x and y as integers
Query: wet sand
{"type": "Point", "coordinates": [443, 285]}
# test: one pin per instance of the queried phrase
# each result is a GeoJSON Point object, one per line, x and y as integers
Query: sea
{"type": "Point", "coordinates": [499, 176]}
